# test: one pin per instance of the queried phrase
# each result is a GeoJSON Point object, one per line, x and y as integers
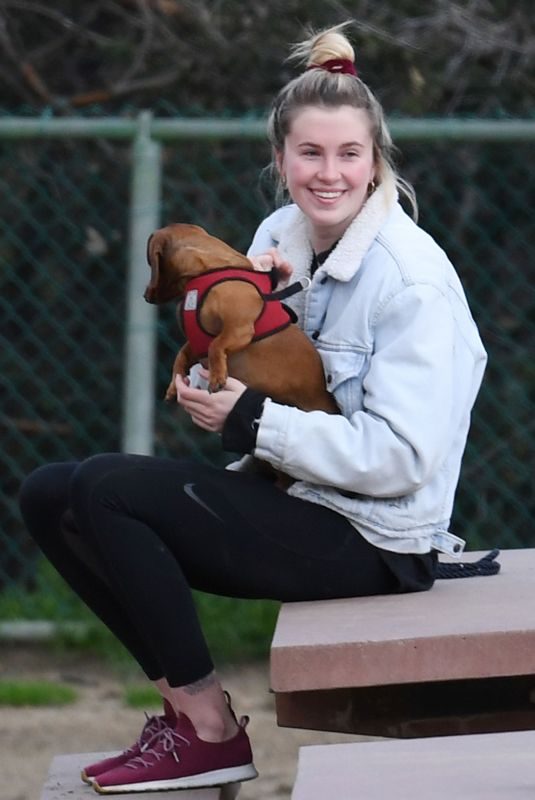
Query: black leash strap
{"type": "Point", "coordinates": [485, 566]}
{"type": "Point", "coordinates": [293, 288]}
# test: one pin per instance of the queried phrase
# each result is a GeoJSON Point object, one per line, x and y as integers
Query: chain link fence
{"type": "Point", "coordinates": [65, 236]}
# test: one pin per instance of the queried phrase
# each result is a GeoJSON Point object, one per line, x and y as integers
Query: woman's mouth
{"type": "Point", "coordinates": [327, 196]}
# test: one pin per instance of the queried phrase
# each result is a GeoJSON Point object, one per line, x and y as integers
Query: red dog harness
{"type": "Point", "coordinates": [273, 317]}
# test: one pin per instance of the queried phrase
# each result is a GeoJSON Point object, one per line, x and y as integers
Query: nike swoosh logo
{"type": "Point", "coordinates": [191, 493]}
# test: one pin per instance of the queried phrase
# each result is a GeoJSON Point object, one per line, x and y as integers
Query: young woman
{"type": "Point", "coordinates": [374, 486]}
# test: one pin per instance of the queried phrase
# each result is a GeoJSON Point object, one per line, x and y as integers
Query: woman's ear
{"type": "Point", "coordinates": [279, 162]}
{"type": "Point", "coordinates": [377, 163]}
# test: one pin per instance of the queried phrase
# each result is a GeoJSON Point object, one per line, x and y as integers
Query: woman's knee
{"type": "Point", "coordinates": [91, 474]}
{"type": "Point", "coordinates": [45, 491]}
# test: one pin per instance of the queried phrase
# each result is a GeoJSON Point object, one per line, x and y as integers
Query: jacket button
{"type": "Point", "coordinates": [316, 335]}
{"type": "Point", "coordinates": [329, 378]}
{"type": "Point", "coordinates": [456, 548]}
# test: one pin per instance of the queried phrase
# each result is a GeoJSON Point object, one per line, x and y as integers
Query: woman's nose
{"type": "Point", "coordinates": [328, 170]}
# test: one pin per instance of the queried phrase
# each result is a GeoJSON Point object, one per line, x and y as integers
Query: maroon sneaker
{"type": "Point", "coordinates": [152, 726]}
{"type": "Point", "coordinates": [178, 759]}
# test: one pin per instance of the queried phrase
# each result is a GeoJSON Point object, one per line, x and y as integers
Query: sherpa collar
{"type": "Point", "coordinates": [346, 258]}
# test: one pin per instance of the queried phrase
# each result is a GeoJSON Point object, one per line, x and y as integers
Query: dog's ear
{"type": "Point", "coordinates": [149, 240]}
{"type": "Point", "coordinates": [154, 251]}
{"type": "Point", "coordinates": [153, 257]}
{"type": "Point", "coordinates": [171, 253]}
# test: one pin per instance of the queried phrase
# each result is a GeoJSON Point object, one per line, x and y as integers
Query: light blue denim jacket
{"type": "Point", "coordinates": [404, 360]}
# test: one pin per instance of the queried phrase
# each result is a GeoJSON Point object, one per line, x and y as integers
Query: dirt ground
{"type": "Point", "coordinates": [98, 721]}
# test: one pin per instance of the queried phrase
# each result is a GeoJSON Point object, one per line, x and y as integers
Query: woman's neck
{"type": "Point", "coordinates": [324, 238]}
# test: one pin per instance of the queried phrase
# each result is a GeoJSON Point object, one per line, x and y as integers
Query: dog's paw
{"type": "Point", "coordinates": [215, 386]}
{"type": "Point", "coordinates": [171, 392]}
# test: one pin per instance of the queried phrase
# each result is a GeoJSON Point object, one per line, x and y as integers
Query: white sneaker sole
{"type": "Point", "coordinates": [218, 777]}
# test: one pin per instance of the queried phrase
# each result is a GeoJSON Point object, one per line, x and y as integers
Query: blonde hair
{"type": "Point", "coordinates": [321, 87]}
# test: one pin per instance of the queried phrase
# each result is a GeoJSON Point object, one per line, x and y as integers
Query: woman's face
{"type": "Point", "coordinates": [328, 164]}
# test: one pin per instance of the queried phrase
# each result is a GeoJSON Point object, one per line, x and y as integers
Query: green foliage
{"type": "Point", "coordinates": [236, 630]}
{"type": "Point", "coordinates": [35, 693]}
{"type": "Point", "coordinates": [50, 599]}
{"type": "Point", "coordinates": [145, 697]}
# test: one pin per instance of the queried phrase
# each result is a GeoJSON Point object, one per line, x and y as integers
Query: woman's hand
{"type": "Point", "coordinates": [272, 259]}
{"type": "Point", "coordinates": [208, 411]}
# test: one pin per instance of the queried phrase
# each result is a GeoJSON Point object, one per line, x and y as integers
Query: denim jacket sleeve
{"type": "Point", "coordinates": [393, 444]}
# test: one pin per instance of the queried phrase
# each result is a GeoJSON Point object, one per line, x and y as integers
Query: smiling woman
{"type": "Point", "coordinates": [328, 166]}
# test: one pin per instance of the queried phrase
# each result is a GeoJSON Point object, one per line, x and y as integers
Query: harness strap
{"type": "Point", "coordinates": [273, 317]}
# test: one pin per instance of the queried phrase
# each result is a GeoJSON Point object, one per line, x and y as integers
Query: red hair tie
{"type": "Point", "coordinates": [341, 65]}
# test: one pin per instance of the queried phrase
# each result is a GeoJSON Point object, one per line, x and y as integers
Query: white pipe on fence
{"type": "Point", "coordinates": [162, 129]}
{"type": "Point", "coordinates": [140, 336]}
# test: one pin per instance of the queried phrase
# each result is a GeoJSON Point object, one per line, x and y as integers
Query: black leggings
{"type": "Point", "coordinates": [133, 535]}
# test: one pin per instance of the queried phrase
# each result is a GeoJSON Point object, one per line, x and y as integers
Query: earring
{"type": "Point", "coordinates": [284, 182]}
{"type": "Point", "coordinates": [372, 186]}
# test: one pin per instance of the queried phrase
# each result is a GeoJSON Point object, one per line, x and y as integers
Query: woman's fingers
{"type": "Point", "coordinates": [272, 259]}
{"type": "Point", "coordinates": [209, 411]}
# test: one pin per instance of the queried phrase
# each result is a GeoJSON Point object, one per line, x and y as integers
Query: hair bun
{"type": "Point", "coordinates": [329, 49]}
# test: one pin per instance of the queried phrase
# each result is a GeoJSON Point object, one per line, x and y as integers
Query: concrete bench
{"type": "Point", "coordinates": [64, 783]}
{"type": "Point", "coordinates": [498, 766]}
{"type": "Point", "coordinates": [457, 659]}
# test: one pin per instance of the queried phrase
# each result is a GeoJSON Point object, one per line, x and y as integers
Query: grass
{"type": "Point", "coordinates": [144, 697]}
{"type": "Point", "coordinates": [35, 693]}
{"type": "Point", "coordinates": [235, 630]}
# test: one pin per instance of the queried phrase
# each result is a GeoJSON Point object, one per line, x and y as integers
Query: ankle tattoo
{"type": "Point", "coordinates": [201, 684]}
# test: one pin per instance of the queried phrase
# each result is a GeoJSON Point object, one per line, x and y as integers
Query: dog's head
{"type": "Point", "coordinates": [180, 252]}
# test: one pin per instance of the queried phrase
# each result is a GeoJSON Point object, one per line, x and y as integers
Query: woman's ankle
{"type": "Point", "coordinates": [208, 708]}
{"type": "Point", "coordinates": [214, 727]}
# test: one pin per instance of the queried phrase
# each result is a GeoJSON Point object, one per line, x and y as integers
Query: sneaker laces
{"type": "Point", "coordinates": [152, 726]}
{"type": "Point", "coordinates": [166, 741]}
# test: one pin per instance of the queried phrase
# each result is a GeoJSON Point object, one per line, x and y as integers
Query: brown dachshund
{"type": "Point", "coordinates": [284, 365]}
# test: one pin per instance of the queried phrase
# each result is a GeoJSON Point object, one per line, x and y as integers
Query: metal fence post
{"type": "Point", "coordinates": [140, 337]}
